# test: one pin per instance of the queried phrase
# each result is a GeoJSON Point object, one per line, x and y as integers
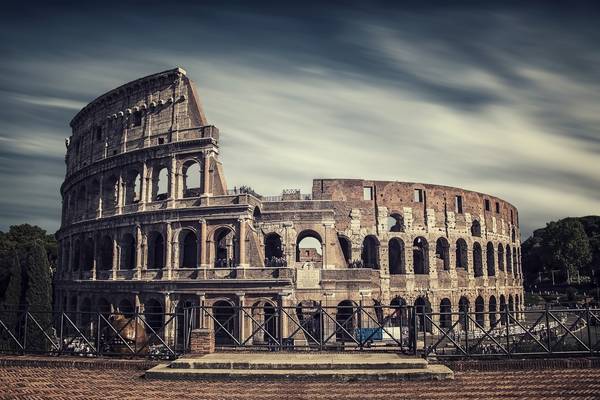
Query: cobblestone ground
{"type": "Point", "coordinates": [46, 382]}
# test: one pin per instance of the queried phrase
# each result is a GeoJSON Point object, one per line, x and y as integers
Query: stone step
{"type": "Point", "coordinates": [431, 372]}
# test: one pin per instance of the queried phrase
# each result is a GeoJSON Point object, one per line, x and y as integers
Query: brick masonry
{"type": "Point", "coordinates": [202, 341]}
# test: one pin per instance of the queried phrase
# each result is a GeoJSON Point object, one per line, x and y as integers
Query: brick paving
{"type": "Point", "coordinates": [56, 381]}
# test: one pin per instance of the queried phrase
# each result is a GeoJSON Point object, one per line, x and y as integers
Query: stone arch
{"type": "Point", "coordinates": [264, 319]}
{"type": "Point", "coordinates": [400, 311]}
{"type": "Point", "coordinates": [370, 252]}
{"type": "Point", "coordinates": [226, 324]}
{"type": "Point", "coordinates": [479, 311]}
{"type": "Point", "coordinates": [396, 257]}
{"type": "Point", "coordinates": [188, 242]}
{"type": "Point", "coordinates": [500, 257]}
{"type": "Point", "coordinates": [346, 246]}
{"type": "Point", "coordinates": [106, 253]}
{"type": "Point", "coordinates": [156, 250]}
{"type": "Point", "coordinates": [502, 309]}
{"type": "Point", "coordinates": [273, 249]}
{"type": "Point", "coordinates": [346, 321]}
{"type": "Point", "coordinates": [508, 260]}
{"type": "Point", "coordinates": [477, 260]}
{"type": "Point", "coordinates": [476, 228]}
{"type": "Point", "coordinates": [462, 258]}
{"type": "Point", "coordinates": [133, 187]}
{"type": "Point", "coordinates": [395, 223]}
{"type": "Point", "coordinates": [128, 252]}
{"type": "Point", "coordinates": [310, 318]}
{"type": "Point", "coordinates": [511, 305]}
{"type": "Point", "coordinates": [110, 192]}
{"type": "Point", "coordinates": [445, 313]}
{"type": "Point", "coordinates": [88, 254]}
{"type": "Point", "coordinates": [76, 260]}
{"type": "Point", "coordinates": [309, 246]}
{"type": "Point", "coordinates": [104, 307]}
{"type": "Point", "coordinates": [126, 308]}
{"type": "Point", "coordinates": [442, 254]}
{"type": "Point", "coordinates": [490, 259]}
{"type": "Point", "coordinates": [423, 310]}
{"type": "Point", "coordinates": [160, 183]}
{"type": "Point", "coordinates": [154, 315]}
{"type": "Point", "coordinates": [82, 201]}
{"type": "Point", "coordinates": [493, 309]}
{"type": "Point", "coordinates": [225, 247]}
{"type": "Point", "coordinates": [192, 178]}
{"type": "Point", "coordinates": [463, 307]}
{"type": "Point", "coordinates": [420, 255]}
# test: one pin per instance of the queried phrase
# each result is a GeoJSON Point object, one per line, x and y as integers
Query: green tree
{"type": "Point", "coordinates": [23, 235]}
{"type": "Point", "coordinates": [10, 293]}
{"type": "Point", "coordinates": [566, 246]}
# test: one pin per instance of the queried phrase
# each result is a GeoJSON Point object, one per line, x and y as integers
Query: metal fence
{"type": "Point", "coordinates": [266, 327]}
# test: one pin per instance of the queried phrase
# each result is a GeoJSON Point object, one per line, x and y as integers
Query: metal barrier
{"type": "Point", "coordinates": [151, 335]}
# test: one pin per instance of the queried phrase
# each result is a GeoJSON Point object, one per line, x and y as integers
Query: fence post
{"type": "Point", "coordinates": [98, 349]}
{"type": "Point", "coordinates": [548, 340]}
{"type": "Point", "coordinates": [321, 326]}
{"type": "Point", "coordinates": [25, 329]}
{"type": "Point", "coordinates": [507, 319]}
{"type": "Point", "coordinates": [414, 329]}
{"type": "Point", "coordinates": [466, 319]}
{"type": "Point", "coordinates": [589, 329]}
{"type": "Point", "coordinates": [360, 331]}
{"type": "Point", "coordinates": [62, 322]}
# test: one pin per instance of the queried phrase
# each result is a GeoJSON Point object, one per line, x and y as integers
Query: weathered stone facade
{"type": "Point", "coordinates": [148, 223]}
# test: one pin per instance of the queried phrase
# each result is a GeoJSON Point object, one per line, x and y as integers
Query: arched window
{"type": "Point", "coordinates": [445, 314]}
{"type": "Point", "coordinates": [126, 308]}
{"type": "Point", "coordinates": [513, 234]}
{"type": "Point", "coordinates": [420, 256]}
{"type": "Point", "coordinates": [189, 249]}
{"type": "Point", "coordinates": [133, 187]}
{"type": "Point", "coordinates": [442, 254]}
{"type": "Point", "coordinates": [508, 260]}
{"type": "Point", "coordinates": [502, 309]}
{"type": "Point", "coordinates": [88, 254]}
{"type": "Point", "coordinates": [396, 259]}
{"type": "Point", "coordinates": [514, 262]}
{"type": "Point", "coordinates": [82, 201]}
{"type": "Point", "coordinates": [345, 318]}
{"type": "Point", "coordinates": [479, 311]}
{"type": "Point", "coordinates": [395, 223]}
{"type": "Point", "coordinates": [492, 307]}
{"type": "Point", "coordinates": [310, 318]}
{"type": "Point", "coordinates": [477, 260]}
{"type": "Point", "coordinates": [476, 228]}
{"type": "Point", "coordinates": [94, 196]}
{"type": "Point", "coordinates": [370, 252]}
{"type": "Point", "coordinates": [309, 247]}
{"type": "Point", "coordinates": [106, 253]}
{"type": "Point", "coordinates": [160, 184]}
{"type": "Point", "coordinates": [156, 251]}
{"type": "Point", "coordinates": [128, 251]}
{"type": "Point", "coordinates": [511, 306]}
{"type": "Point", "coordinates": [500, 257]}
{"type": "Point", "coordinates": [346, 247]}
{"type": "Point", "coordinates": [225, 248]}
{"type": "Point", "coordinates": [490, 259]}
{"type": "Point", "coordinates": [226, 323]}
{"type": "Point", "coordinates": [110, 192]}
{"type": "Point", "coordinates": [76, 255]}
{"type": "Point", "coordinates": [192, 179]}
{"type": "Point", "coordinates": [273, 250]}
{"type": "Point", "coordinates": [399, 312]}
{"type": "Point", "coordinates": [154, 315]}
{"type": "Point", "coordinates": [463, 306]}
{"type": "Point", "coordinates": [462, 261]}
{"type": "Point", "coordinates": [423, 310]}
{"type": "Point", "coordinates": [104, 307]}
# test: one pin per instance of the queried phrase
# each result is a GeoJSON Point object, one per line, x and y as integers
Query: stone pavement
{"type": "Point", "coordinates": [57, 381]}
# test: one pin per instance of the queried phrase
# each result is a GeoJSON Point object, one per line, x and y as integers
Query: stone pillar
{"type": "Point", "coordinates": [70, 258]}
{"type": "Point", "coordinates": [138, 251]}
{"type": "Point", "coordinates": [116, 257]}
{"type": "Point", "coordinates": [95, 258]}
{"type": "Point", "coordinates": [173, 179]}
{"type": "Point", "coordinates": [242, 242]}
{"type": "Point", "coordinates": [241, 319]}
{"type": "Point", "coordinates": [203, 248]}
{"type": "Point", "coordinates": [144, 182]}
{"type": "Point", "coordinates": [100, 195]}
{"type": "Point", "coordinates": [139, 306]}
{"type": "Point", "coordinates": [120, 194]}
{"type": "Point", "coordinates": [168, 250]}
{"type": "Point", "coordinates": [206, 189]}
{"type": "Point", "coordinates": [202, 341]}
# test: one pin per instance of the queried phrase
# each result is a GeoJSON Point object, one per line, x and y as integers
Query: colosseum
{"type": "Point", "coordinates": [149, 223]}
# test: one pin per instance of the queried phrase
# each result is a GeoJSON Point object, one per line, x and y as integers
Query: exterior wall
{"type": "Point", "coordinates": [129, 243]}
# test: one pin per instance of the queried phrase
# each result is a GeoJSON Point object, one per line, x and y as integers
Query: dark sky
{"type": "Point", "coordinates": [502, 99]}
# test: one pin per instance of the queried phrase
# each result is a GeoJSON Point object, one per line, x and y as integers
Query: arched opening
{"type": "Point", "coordinates": [514, 262]}
{"type": "Point", "coordinates": [225, 248]}
{"type": "Point", "coordinates": [87, 317]}
{"type": "Point", "coordinates": [225, 324]}
{"type": "Point", "coordinates": [513, 235]}
{"type": "Point", "coordinates": [82, 201]}
{"type": "Point", "coordinates": [476, 228]}
{"type": "Point", "coordinates": [462, 258]}
{"type": "Point", "coordinates": [400, 312]}
{"type": "Point", "coordinates": [423, 310]}
{"type": "Point", "coordinates": [76, 255]}
{"type": "Point", "coordinates": [477, 260]}
{"type": "Point", "coordinates": [503, 310]}
{"type": "Point", "coordinates": [192, 179]}
{"type": "Point", "coordinates": [490, 259]}
{"type": "Point", "coordinates": [500, 257]}
{"type": "Point", "coordinates": [154, 315]}
{"type": "Point", "coordinates": [133, 187]}
{"type": "Point", "coordinates": [310, 319]}
{"type": "Point", "coordinates": [93, 196]}
{"type": "Point", "coordinates": [189, 249]}
{"type": "Point", "coordinates": [88, 254]}
{"type": "Point", "coordinates": [264, 322]}
{"type": "Point", "coordinates": [104, 307]}
{"type": "Point", "coordinates": [445, 314]}
{"type": "Point", "coordinates": [273, 251]}
{"type": "Point", "coordinates": [396, 259]}
{"type": "Point", "coordinates": [511, 306]}
{"type": "Point", "coordinates": [160, 184]}
{"type": "Point", "coordinates": [442, 254]}
{"type": "Point", "coordinates": [309, 247]}
{"type": "Point", "coordinates": [345, 321]}
{"type": "Point", "coordinates": [479, 311]}
{"type": "Point", "coordinates": [126, 308]}
{"type": "Point", "coordinates": [493, 309]}
{"type": "Point", "coordinates": [370, 252]}
{"type": "Point", "coordinates": [463, 307]}
{"type": "Point", "coordinates": [128, 251]}
{"type": "Point", "coordinates": [346, 247]}
{"type": "Point", "coordinates": [420, 256]}
{"type": "Point", "coordinates": [106, 253]}
{"type": "Point", "coordinates": [156, 251]}
{"type": "Point", "coordinates": [110, 192]}
{"type": "Point", "coordinates": [395, 223]}
{"type": "Point", "coordinates": [508, 260]}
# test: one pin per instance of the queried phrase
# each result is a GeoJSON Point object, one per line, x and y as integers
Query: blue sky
{"type": "Point", "coordinates": [501, 99]}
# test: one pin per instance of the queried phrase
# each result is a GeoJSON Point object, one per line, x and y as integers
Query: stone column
{"type": "Point", "coordinates": [100, 195]}
{"type": "Point", "coordinates": [242, 242]}
{"type": "Point", "coordinates": [168, 250]}
{"type": "Point", "coordinates": [206, 189]}
{"type": "Point", "coordinates": [173, 179]}
{"type": "Point", "coordinates": [241, 319]}
{"type": "Point", "coordinates": [70, 258]}
{"type": "Point", "coordinates": [116, 257]}
{"type": "Point", "coordinates": [203, 248]}
{"type": "Point", "coordinates": [95, 258]}
{"type": "Point", "coordinates": [144, 187]}
{"type": "Point", "coordinates": [138, 251]}
{"type": "Point", "coordinates": [120, 194]}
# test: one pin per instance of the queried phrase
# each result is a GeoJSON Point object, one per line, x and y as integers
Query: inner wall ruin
{"type": "Point", "coordinates": [149, 224]}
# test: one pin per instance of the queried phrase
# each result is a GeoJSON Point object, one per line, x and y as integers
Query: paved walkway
{"type": "Point", "coordinates": [52, 382]}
